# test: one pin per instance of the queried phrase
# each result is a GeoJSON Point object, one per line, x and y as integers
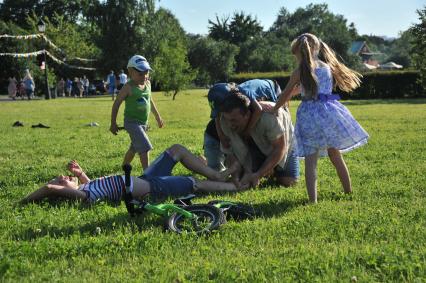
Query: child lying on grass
{"type": "Point", "coordinates": [156, 181]}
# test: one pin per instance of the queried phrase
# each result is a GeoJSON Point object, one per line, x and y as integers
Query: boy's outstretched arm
{"type": "Point", "coordinates": [154, 111]}
{"type": "Point", "coordinates": [124, 92]}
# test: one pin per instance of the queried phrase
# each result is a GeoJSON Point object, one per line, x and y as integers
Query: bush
{"type": "Point", "coordinates": [377, 84]}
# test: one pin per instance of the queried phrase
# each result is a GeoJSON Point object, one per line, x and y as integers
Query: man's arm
{"type": "Point", "coordinates": [279, 149]}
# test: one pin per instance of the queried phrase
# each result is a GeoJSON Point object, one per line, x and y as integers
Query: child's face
{"type": "Point", "coordinates": [138, 76]}
{"type": "Point", "coordinates": [66, 181]}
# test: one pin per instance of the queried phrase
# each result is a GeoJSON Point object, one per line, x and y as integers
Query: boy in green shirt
{"type": "Point", "coordinates": [136, 94]}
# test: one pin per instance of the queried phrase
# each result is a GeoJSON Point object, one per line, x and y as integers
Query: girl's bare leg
{"type": "Point", "coordinates": [341, 169]}
{"type": "Point", "coordinates": [193, 163]}
{"type": "Point", "coordinates": [214, 186]}
{"type": "Point", "coordinates": [311, 176]}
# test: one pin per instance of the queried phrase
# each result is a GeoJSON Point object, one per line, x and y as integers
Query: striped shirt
{"type": "Point", "coordinates": [108, 188]}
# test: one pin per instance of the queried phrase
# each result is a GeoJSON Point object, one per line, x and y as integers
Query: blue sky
{"type": "Point", "coordinates": [377, 17]}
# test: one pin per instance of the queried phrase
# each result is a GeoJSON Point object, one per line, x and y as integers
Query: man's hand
{"type": "Point", "coordinates": [113, 128]}
{"type": "Point", "coordinates": [250, 180]}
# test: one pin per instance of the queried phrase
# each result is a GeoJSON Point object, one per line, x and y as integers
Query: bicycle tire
{"type": "Point", "coordinates": [209, 218]}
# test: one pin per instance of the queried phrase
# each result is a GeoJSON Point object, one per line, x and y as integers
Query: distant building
{"type": "Point", "coordinates": [361, 49]}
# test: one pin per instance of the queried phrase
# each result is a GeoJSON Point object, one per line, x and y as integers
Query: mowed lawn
{"type": "Point", "coordinates": [377, 234]}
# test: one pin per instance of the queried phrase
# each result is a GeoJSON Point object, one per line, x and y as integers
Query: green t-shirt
{"type": "Point", "coordinates": [138, 104]}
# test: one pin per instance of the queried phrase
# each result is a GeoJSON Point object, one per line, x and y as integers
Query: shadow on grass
{"type": "Point", "coordinates": [107, 226]}
{"type": "Point", "coordinates": [117, 222]}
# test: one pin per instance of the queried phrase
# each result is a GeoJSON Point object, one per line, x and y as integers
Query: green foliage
{"type": "Point", "coordinates": [316, 19]}
{"type": "Point", "coordinates": [377, 84]}
{"type": "Point", "coordinates": [122, 26]}
{"type": "Point", "coordinates": [73, 40]}
{"type": "Point", "coordinates": [241, 28]}
{"type": "Point", "coordinates": [17, 11]}
{"type": "Point", "coordinates": [388, 84]}
{"type": "Point", "coordinates": [418, 50]}
{"type": "Point", "coordinates": [213, 60]}
{"type": "Point", "coordinates": [263, 54]}
{"type": "Point", "coordinates": [172, 70]}
{"type": "Point", "coordinates": [167, 46]}
{"type": "Point", "coordinates": [374, 235]}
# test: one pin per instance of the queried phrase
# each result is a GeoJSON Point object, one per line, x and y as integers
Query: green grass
{"type": "Point", "coordinates": [377, 234]}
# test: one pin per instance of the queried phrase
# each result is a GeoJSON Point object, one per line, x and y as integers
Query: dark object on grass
{"type": "Point", "coordinates": [17, 124]}
{"type": "Point", "coordinates": [235, 210]}
{"type": "Point", "coordinates": [40, 125]}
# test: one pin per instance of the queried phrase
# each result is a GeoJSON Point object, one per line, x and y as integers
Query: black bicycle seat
{"type": "Point", "coordinates": [186, 200]}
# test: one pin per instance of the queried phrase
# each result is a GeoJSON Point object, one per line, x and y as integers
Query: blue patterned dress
{"type": "Point", "coordinates": [324, 122]}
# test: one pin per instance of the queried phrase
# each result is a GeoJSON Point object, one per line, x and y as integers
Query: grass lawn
{"type": "Point", "coordinates": [376, 234]}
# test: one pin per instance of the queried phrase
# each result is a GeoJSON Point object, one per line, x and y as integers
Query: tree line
{"type": "Point", "coordinates": [111, 31]}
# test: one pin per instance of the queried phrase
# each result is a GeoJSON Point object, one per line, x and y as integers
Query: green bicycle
{"type": "Point", "coordinates": [198, 218]}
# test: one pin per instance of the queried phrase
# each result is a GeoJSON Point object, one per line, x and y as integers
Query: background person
{"type": "Point", "coordinates": [12, 87]}
{"type": "Point", "coordinates": [123, 79]}
{"type": "Point", "coordinates": [111, 84]}
{"type": "Point", "coordinates": [61, 87]}
{"type": "Point", "coordinates": [29, 84]}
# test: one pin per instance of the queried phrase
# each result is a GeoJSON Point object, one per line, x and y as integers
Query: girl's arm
{"type": "Point", "coordinates": [287, 93]}
{"type": "Point", "coordinates": [154, 111]}
{"type": "Point", "coordinates": [52, 190]}
{"type": "Point", "coordinates": [256, 112]}
{"type": "Point", "coordinates": [122, 95]}
{"type": "Point", "coordinates": [75, 168]}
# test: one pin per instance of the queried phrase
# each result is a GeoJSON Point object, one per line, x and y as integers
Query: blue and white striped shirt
{"type": "Point", "coordinates": [108, 188]}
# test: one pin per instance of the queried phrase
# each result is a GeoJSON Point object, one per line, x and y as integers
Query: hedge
{"type": "Point", "coordinates": [375, 85]}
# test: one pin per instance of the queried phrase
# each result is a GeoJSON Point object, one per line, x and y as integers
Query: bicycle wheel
{"type": "Point", "coordinates": [208, 218]}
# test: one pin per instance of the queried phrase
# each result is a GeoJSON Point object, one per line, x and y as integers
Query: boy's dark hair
{"type": "Point", "coordinates": [235, 101]}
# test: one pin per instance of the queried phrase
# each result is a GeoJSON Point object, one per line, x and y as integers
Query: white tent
{"type": "Point", "coordinates": [368, 66]}
{"type": "Point", "coordinates": [390, 65]}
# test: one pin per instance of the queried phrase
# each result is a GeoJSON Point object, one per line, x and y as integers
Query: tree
{"type": "Point", "coordinates": [213, 60]}
{"type": "Point", "coordinates": [317, 19]}
{"type": "Point", "coordinates": [122, 25]}
{"type": "Point", "coordinates": [17, 11]}
{"type": "Point", "coordinates": [171, 68]}
{"type": "Point", "coordinates": [265, 54]}
{"type": "Point", "coordinates": [400, 49]}
{"type": "Point", "coordinates": [219, 30]}
{"type": "Point", "coordinates": [418, 50]}
{"type": "Point", "coordinates": [244, 27]}
{"type": "Point", "coordinates": [167, 46]}
{"type": "Point", "coordinates": [241, 28]}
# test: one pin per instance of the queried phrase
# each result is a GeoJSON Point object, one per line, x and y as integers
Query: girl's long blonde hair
{"type": "Point", "coordinates": [309, 47]}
